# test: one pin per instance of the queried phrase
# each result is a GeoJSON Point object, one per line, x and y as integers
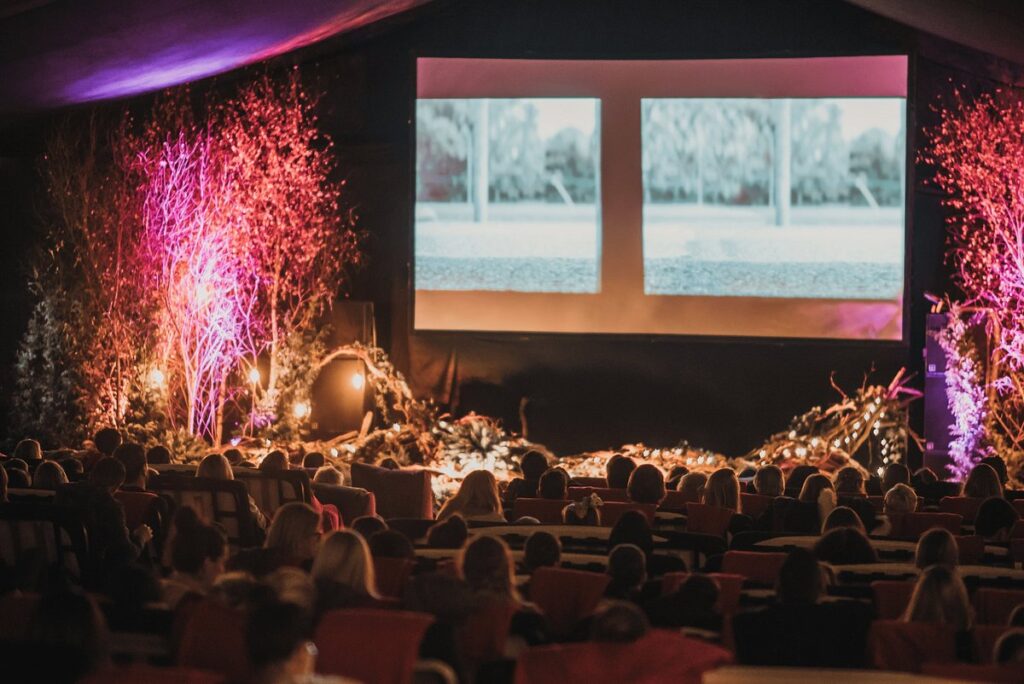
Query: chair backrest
{"type": "Point", "coordinates": [225, 502]}
{"type": "Point", "coordinates": [965, 506]}
{"type": "Point", "coordinates": [906, 646]}
{"type": "Point", "coordinates": [971, 548]}
{"type": "Point", "coordinates": [968, 672]}
{"type": "Point", "coordinates": [392, 574]}
{"type": "Point", "coordinates": [730, 588]}
{"type": "Point", "coordinates": [182, 469]}
{"type": "Point", "coordinates": [598, 482]}
{"type": "Point", "coordinates": [273, 489]}
{"type": "Point", "coordinates": [484, 632]}
{"type": "Point", "coordinates": [145, 674]}
{"type": "Point", "coordinates": [1019, 505]}
{"type": "Point", "coordinates": [704, 519]}
{"type": "Point", "coordinates": [891, 598]}
{"type": "Point", "coordinates": [674, 501]}
{"type": "Point", "coordinates": [566, 596]}
{"type": "Point", "coordinates": [760, 568]}
{"type": "Point", "coordinates": [370, 645]}
{"type": "Point", "coordinates": [54, 534]}
{"type": "Point", "coordinates": [913, 525]}
{"type": "Point", "coordinates": [42, 496]}
{"type": "Point", "coordinates": [548, 511]}
{"type": "Point", "coordinates": [606, 494]}
{"type": "Point", "coordinates": [214, 639]}
{"type": "Point", "coordinates": [351, 502]}
{"type": "Point", "coordinates": [993, 606]}
{"type": "Point", "coordinates": [878, 503]}
{"type": "Point", "coordinates": [755, 504]}
{"type": "Point", "coordinates": [613, 510]}
{"type": "Point", "coordinates": [398, 493]}
{"type": "Point", "coordinates": [17, 611]}
{"type": "Point", "coordinates": [658, 656]}
{"type": "Point", "coordinates": [983, 640]}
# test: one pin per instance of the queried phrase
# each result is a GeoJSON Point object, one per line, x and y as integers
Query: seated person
{"type": "Point", "coordinates": [618, 622]}
{"type": "Point", "coordinates": [850, 492]}
{"type": "Point", "coordinates": [49, 475]}
{"type": "Point", "coordinates": [617, 471]}
{"type": "Point", "coordinates": [983, 483]}
{"type": "Point", "coordinates": [448, 534]}
{"type": "Point", "coordinates": [533, 464]}
{"type": "Point", "coordinates": [646, 485]}
{"type": "Point", "coordinates": [894, 474]}
{"type": "Point", "coordinates": [799, 630]}
{"type": "Point", "coordinates": [674, 476]}
{"type": "Point", "coordinates": [842, 516]}
{"type": "Point", "coordinates": [279, 642]}
{"type": "Point", "coordinates": [477, 499]}
{"type": "Point", "coordinates": [554, 484]}
{"type": "Point", "coordinates": [940, 597]}
{"type": "Point", "coordinates": [391, 544]}
{"type": "Point", "coordinates": [845, 546]}
{"type": "Point", "coordinates": [770, 481]}
{"type": "Point", "coordinates": [899, 500]}
{"type": "Point", "coordinates": [344, 573]}
{"type": "Point", "coordinates": [692, 605]}
{"type": "Point", "coordinates": [723, 490]}
{"type": "Point", "coordinates": [692, 485]}
{"type": "Point", "coordinates": [313, 459]}
{"type": "Point", "coordinates": [216, 467]}
{"type": "Point", "coordinates": [292, 540]}
{"type": "Point", "coordinates": [542, 550]}
{"type": "Point", "coordinates": [198, 554]}
{"type": "Point", "coordinates": [936, 547]}
{"type": "Point", "coordinates": [627, 567]}
{"type": "Point", "coordinates": [158, 455]}
{"type": "Point", "coordinates": [996, 517]}
{"type": "Point", "coordinates": [366, 525]}
{"type": "Point", "coordinates": [329, 475]}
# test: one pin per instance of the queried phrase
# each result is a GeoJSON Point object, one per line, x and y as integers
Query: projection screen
{"type": "Point", "coordinates": [747, 198]}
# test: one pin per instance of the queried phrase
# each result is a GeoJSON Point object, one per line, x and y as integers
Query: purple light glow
{"type": "Point", "coordinates": [61, 53]}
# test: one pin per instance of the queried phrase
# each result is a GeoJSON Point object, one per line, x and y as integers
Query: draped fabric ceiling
{"type": "Point", "coordinates": [61, 52]}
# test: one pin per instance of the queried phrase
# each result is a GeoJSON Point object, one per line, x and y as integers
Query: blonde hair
{"type": "Point", "coordinates": [769, 480]}
{"type": "Point", "coordinates": [849, 481]}
{"type": "Point", "coordinates": [294, 524]}
{"type": "Point", "coordinates": [692, 485]}
{"type": "Point", "coordinates": [813, 487]}
{"type": "Point", "coordinates": [723, 490]}
{"type": "Point", "coordinates": [215, 467]}
{"type": "Point", "coordinates": [900, 499]}
{"type": "Point", "coordinates": [292, 585]}
{"type": "Point", "coordinates": [486, 564]}
{"type": "Point", "coordinates": [478, 495]}
{"type": "Point", "coordinates": [940, 597]}
{"type": "Point", "coordinates": [937, 547]}
{"type": "Point", "coordinates": [344, 557]}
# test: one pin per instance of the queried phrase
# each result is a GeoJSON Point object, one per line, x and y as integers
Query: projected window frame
{"type": "Point", "coordinates": [621, 307]}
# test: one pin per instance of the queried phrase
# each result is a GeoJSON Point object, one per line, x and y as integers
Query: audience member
{"type": "Point", "coordinates": [344, 573]}
{"type": "Point", "coordinates": [329, 475]}
{"type": "Point", "coordinates": [842, 516]}
{"type": "Point", "coordinates": [234, 456]}
{"type": "Point", "coordinates": [160, 455]}
{"type": "Point", "coordinates": [391, 544]}
{"type": "Point", "coordinates": [845, 546]}
{"type": "Point", "coordinates": [133, 457]}
{"type": "Point", "coordinates": [49, 475]}
{"type": "Point", "coordinates": [632, 528]}
{"type": "Point", "coordinates": [314, 459]}
{"type": "Point", "coordinates": [275, 461]}
{"type": "Point", "coordinates": [849, 481]}
{"type": "Point", "coordinates": [292, 540]}
{"type": "Point", "coordinates": [542, 550]}
{"type": "Point", "coordinates": [675, 474]}
{"type": "Point", "coordinates": [646, 485]}
{"type": "Point", "coordinates": [983, 483]}
{"type": "Point", "coordinates": [216, 467]}
{"type": "Point", "coordinates": [198, 556]}
{"type": "Point", "coordinates": [554, 484]}
{"type": "Point", "coordinates": [692, 486]}
{"type": "Point", "coordinates": [106, 440]}
{"type": "Point", "coordinates": [796, 478]}
{"type": "Point", "coordinates": [936, 547]}
{"type": "Point", "coordinates": [17, 478]}
{"type": "Point", "coordinates": [940, 597]}
{"type": "Point", "coordinates": [924, 477]}
{"type": "Point", "coordinates": [70, 631]}
{"type": "Point", "coordinates": [899, 500]}
{"type": "Point", "coordinates": [367, 525]}
{"type": "Point", "coordinates": [477, 499]}
{"type": "Point", "coordinates": [72, 468]}
{"type": "Point", "coordinates": [291, 585]}
{"type": "Point", "coordinates": [770, 481]}
{"type": "Point", "coordinates": [1009, 648]}
{"type": "Point", "coordinates": [533, 465]}
{"type": "Point", "coordinates": [448, 534]}
{"type": "Point", "coordinates": [996, 517]}
{"type": "Point", "coordinates": [723, 490]}
{"type": "Point", "coordinates": [627, 567]}
{"type": "Point", "coordinates": [691, 605]}
{"type": "Point", "coordinates": [28, 450]}
{"type": "Point", "coordinates": [278, 639]}
{"type": "Point", "coordinates": [999, 465]}
{"type": "Point", "coordinates": [618, 622]}
{"type": "Point", "coordinates": [894, 474]}
{"type": "Point", "coordinates": [617, 471]}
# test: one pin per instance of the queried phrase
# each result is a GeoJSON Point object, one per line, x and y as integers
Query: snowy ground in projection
{"type": "Point", "coordinates": [826, 252]}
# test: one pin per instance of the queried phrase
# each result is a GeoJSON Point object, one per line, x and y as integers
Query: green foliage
{"type": "Point", "coordinates": [298, 361]}
{"type": "Point", "coordinates": [51, 394]}
{"type": "Point", "coordinates": [820, 161]}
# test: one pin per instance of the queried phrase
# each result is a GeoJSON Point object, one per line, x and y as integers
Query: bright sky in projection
{"type": "Point", "coordinates": [860, 114]}
{"type": "Point", "coordinates": [554, 114]}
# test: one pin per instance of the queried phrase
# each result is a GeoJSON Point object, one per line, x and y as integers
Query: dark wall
{"type": "Point", "coordinates": [597, 391]}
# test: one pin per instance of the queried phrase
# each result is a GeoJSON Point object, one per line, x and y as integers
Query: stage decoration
{"type": "Point", "coordinates": [184, 248]}
{"type": "Point", "coordinates": [965, 390]}
{"type": "Point", "coordinates": [869, 427]}
{"type": "Point", "coordinates": [977, 151]}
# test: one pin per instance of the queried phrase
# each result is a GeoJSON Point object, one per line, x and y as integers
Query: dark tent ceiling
{"type": "Point", "coordinates": [59, 52]}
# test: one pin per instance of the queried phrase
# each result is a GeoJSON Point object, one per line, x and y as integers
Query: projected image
{"type": "Point", "coordinates": [790, 198]}
{"type": "Point", "coordinates": [506, 195]}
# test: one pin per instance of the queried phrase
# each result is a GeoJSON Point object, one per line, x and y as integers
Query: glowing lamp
{"type": "Point", "coordinates": [301, 410]}
{"type": "Point", "coordinates": [157, 379]}
{"type": "Point", "coordinates": [254, 375]}
{"type": "Point", "coordinates": [358, 380]}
